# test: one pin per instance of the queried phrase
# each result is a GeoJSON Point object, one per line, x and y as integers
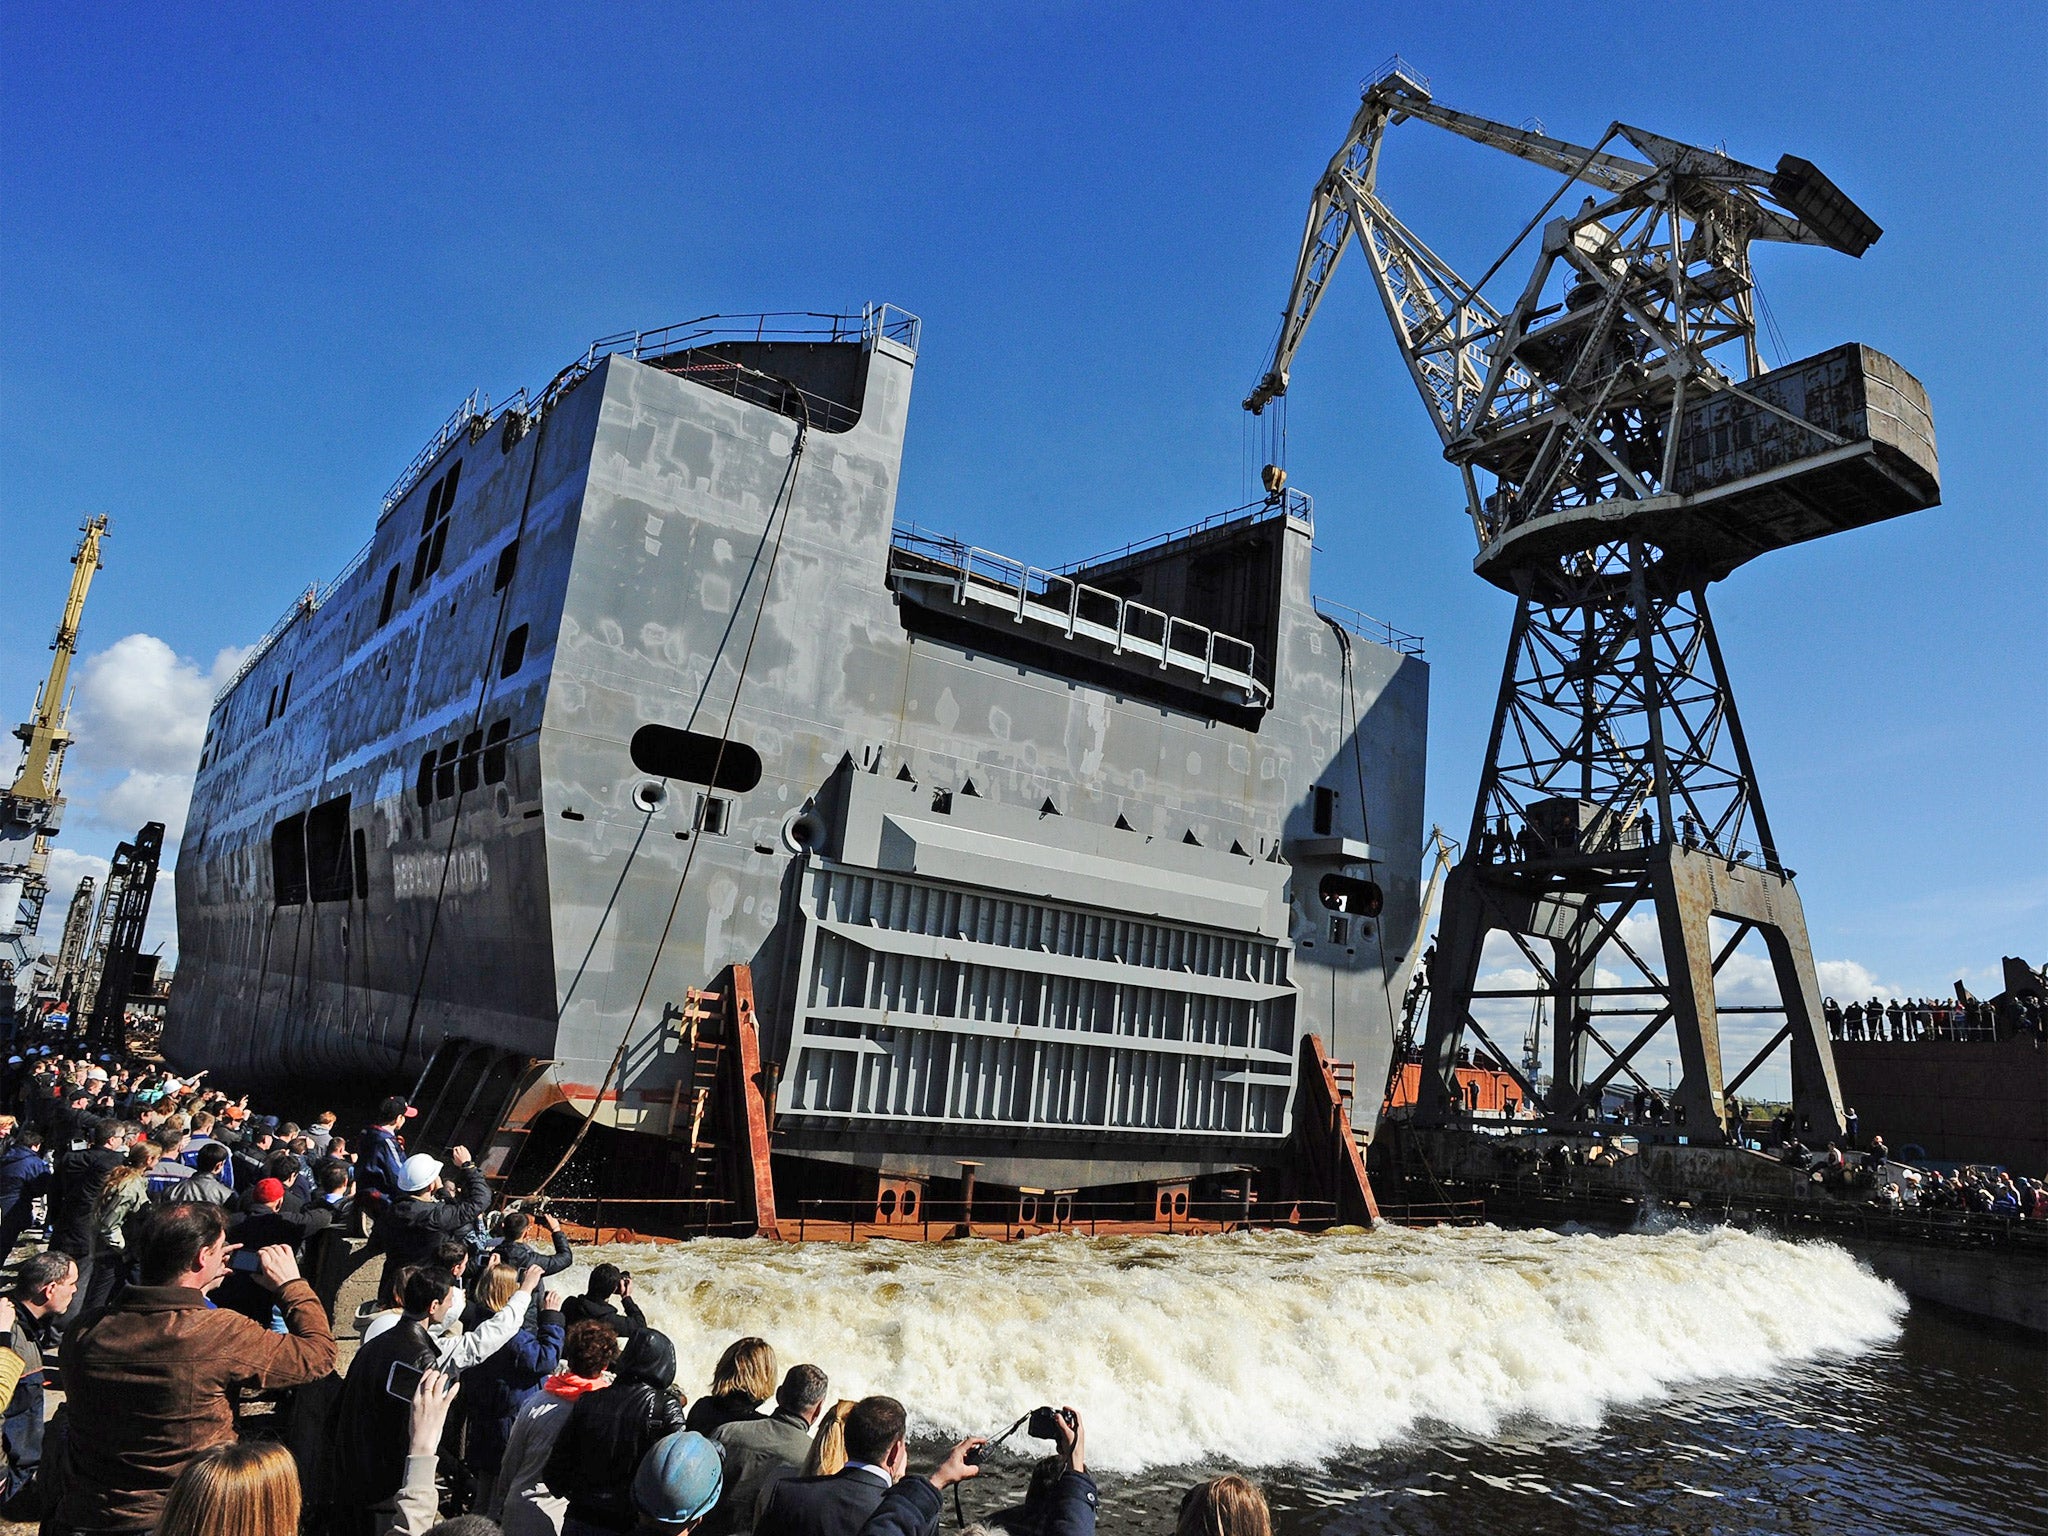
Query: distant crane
{"type": "Point", "coordinates": [33, 808]}
{"type": "Point", "coordinates": [68, 972]}
{"type": "Point", "coordinates": [117, 938]}
{"type": "Point", "coordinates": [1620, 448]}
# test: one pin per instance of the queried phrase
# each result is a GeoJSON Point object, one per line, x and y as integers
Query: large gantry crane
{"type": "Point", "coordinates": [32, 809]}
{"type": "Point", "coordinates": [1621, 447]}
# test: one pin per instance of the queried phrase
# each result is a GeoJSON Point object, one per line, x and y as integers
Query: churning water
{"type": "Point", "coordinates": [1393, 1380]}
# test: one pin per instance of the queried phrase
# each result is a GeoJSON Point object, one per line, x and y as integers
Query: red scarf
{"type": "Point", "coordinates": [568, 1386]}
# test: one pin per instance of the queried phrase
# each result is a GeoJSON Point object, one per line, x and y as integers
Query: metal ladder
{"type": "Point", "coordinates": [694, 1112]}
{"type": "Point", "coordinates": [1346, 1075]}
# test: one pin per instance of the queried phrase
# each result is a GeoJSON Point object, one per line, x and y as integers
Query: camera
{"type": "Point", "coordinates": [1038, 1423]}
{"type": "Point", "coordinates": [1044, 1421]}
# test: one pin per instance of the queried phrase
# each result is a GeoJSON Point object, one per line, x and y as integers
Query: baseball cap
{"type": "Point", "coordinates": [679, 1479]}
{"type": "Point", "coordinates": [268, 1190]}
{"type": "Point", "coordinates": [392, 1108]}
{"type": "Point", "coordinates": [420, 1172]}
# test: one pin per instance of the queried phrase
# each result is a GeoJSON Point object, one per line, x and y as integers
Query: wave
{"type": "Point", "coordinates": [1273, 1348]}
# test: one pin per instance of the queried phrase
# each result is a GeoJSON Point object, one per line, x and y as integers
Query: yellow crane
{"type": "Point", "coordinates": [32, 809]}
{"type": "Point", "coordinates": [43, 733]}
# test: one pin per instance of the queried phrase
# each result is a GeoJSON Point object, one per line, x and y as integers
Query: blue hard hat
{"type": "Point", "coordinates": [679, 1479]}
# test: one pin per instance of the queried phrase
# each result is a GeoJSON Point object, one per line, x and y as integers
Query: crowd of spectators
{"type": "Point", "coordinates": [168, 1305]}
{"type": "Point", "coordinates": [1981, 1191]}
{"type": "Point", "coordinates": [1872, 1175]}
{"type": "Point", "coordinates": [1963, 1017]}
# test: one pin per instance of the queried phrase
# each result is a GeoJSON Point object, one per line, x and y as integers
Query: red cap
{"type": "Point", "coordinates": [269, 1190]}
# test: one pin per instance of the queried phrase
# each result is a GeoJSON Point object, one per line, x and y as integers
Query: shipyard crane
{"type": "Point", "coordinates": [1621, 447]}
{"type": "Point", "coordinates": [32, 809]}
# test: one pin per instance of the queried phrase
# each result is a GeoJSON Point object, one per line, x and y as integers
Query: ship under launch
{"type": "Point", "coordinates": [643, 769]}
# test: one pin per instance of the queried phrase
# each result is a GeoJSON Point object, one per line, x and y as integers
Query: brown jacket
{"type": "Point", "coordinates": [147, 1385]}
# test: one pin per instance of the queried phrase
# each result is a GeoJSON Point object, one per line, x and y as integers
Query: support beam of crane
{"type": "Point", "coordinates": [1620, 450]}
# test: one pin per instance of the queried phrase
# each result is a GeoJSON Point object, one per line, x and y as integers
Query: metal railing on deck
{"type": "Point", "coordinates": [1057, 601]}
{"type": "Point", "coordinates": [703, 1215]}
{"type": "Point", "coordinates": [1435, 1213]}
{"type": "Point", "coordinates": [875, 321]}
{"type": "Point", "coordinates": [1787, 1214]}
{"type": "Point", "coordinates": [1295, 505]}
{"type": "Point", "coordinates": [476, 407]}
{"type": "Point", "coordinates": [475, 415]}
{"type": "Point", "coordinates": [822, 1220]}
{"type": "Point", "coordinates": [1366, 627]}
{"type": "Point", "coordinates": [310, 601]}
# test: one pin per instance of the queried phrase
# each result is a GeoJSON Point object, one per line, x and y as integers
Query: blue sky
{"type": "Point", "coordinates": [254, 255]}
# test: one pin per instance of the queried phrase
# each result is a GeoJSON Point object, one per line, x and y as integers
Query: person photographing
{"type": "Point", "coordinates": [913, 1506]}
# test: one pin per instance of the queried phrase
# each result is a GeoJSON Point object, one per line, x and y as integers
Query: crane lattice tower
{"type": "Point", "coordinates": [1622, 448]}
{"type": "Point", "coordinates": [32, 807]}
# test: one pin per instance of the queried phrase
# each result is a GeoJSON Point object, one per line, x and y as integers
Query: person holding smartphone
{"type": "Point", "coordinates": [152, 1382]}
{"type": "Point", "coordinates": [372, 1417]}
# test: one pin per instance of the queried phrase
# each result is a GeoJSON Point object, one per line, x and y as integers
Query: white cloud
{"type": "Point", "coordinates": [1850, 981]}
{"type": "Point", "coordinates": [67, 867]}
{"type": "Point", "coordinates": [140, 720]}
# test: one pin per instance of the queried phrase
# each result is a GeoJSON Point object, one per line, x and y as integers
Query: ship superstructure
{"type": "Point", "coordinates": [1047, 872]}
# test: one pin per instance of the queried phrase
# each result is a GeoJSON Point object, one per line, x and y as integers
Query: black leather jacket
{"type": "Point", "coordinates": [600, 1447]}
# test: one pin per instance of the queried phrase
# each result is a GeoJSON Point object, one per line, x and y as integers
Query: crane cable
{"type": "Point", "coordinates": [771, 537]}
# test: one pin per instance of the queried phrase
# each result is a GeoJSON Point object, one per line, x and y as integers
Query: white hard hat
{"type": "Point", "coordinates": [420, 1172]}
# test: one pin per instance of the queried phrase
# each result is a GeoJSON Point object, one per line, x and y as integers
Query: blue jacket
{"type": "Point", "coordinates": [912, 1508]}
{"type": "Point", "coordinates": [23, 1172]}
{"type": "Point", "coordinates": [377, 1173]}
{"type": "Point", "coordinates": [497, 1387]}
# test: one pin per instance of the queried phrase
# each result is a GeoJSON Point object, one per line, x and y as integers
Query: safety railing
{"type": "Point", "coordinates": [699, 1216]}
{"type": "Point", "coordinates": [1366, 627]}
{"type": "Point", "coordinates": [1297, 506]}
{"type": "Point", "coordinates": [1946, 1025]}
{"type": "Point", "coordinates": [874, 321]}
{"type": "Point", "coordinates": [1787, 1214]}
{"type": "Point", "coordinates": [1391, 66]}
{"type": "Point", "coordinates": [475, 408]}
{"type": "Point", "coordinates": [310, 601]}
{"type": "Point", "coordinates": [862, 1220]}
{"type": "Point", "coordinates": [475, 415]}
{"type": "Point", "coordinates": [1435, 1213]}
{"type": "Point", "coordinates": [710, 370]}
{"type": "Point", "coordinates": [1055, 600]}
{"type": "Point", "coordinates": [1515, 839]}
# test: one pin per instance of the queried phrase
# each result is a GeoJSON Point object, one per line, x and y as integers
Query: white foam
{"type": "Point", "coordinates": [1267, 1349]}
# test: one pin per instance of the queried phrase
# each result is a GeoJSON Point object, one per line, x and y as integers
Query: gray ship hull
{"type": "Point", "coordinates": [1047, 870]}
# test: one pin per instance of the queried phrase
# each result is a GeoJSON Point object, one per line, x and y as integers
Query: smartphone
{"type": "Point", "coordinates": [245, 1261]}
{"type": "Point", "coordinates": [404, 1380]}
